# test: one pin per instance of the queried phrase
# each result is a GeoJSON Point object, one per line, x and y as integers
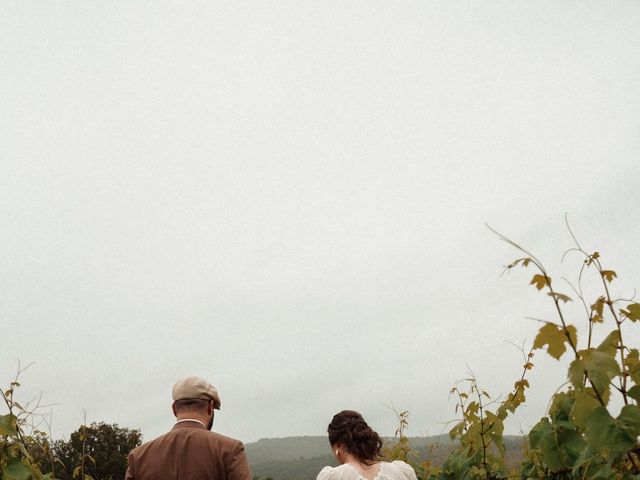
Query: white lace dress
{"type": "Point", "coordinates": [396, 470]}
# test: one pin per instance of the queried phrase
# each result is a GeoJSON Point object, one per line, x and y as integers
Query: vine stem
{"type": "Point", "coordinates": [482, 430]}
{"type": "Point", "coordinates": [547, 279]}
{"type": "Point", "coordinates": [609, 302]}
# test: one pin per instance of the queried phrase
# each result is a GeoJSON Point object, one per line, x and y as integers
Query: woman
{"type": "Point", "coordinates": [357, 449]}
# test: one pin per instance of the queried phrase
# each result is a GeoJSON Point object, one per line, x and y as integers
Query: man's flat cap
{"type": "Point", "coordinates": [195, 388]}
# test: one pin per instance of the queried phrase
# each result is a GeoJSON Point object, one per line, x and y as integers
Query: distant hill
{"type": "Point", "coordinates": [288, 448]}
{"type": "Point", "coordinates": [301, 458]}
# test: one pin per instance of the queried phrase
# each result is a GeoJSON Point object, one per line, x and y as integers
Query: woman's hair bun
{"type": "Point", "coordinates": [350, 429]}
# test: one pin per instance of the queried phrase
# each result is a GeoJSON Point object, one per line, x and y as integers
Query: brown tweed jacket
{"type": "Point", "coordinates": [189, 452]}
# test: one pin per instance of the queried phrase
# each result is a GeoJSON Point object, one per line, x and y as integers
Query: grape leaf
{"type": "Point", "coordinates": [585, 403]}
{"type": "Point", "coordinates": [632, 312]}
{"type": "Point", "coordinates": [8, 425]}
{"type": "Point", "coordinates": [555, 338]}
{"type": "Point", "coordinates": [599, 366]}
{"type": "Point", "coordinates": [608, 275]}
{"type": "Point", "coordinates": [560, 296]}
{"type": "Point", "coordinates": [598, 309]}
{"type": "Point", "coordinates": [634, 392]}
{"type": "Point", "coordinates": [540, 281]}
{"type": "Point", "coordinates": [616, 436]}
{"type": "Point", "coordinates": [610, 344]}
{"type": "Point", "coordinates": [16, 470]}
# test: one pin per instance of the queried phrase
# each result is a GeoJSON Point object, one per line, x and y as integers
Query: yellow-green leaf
{"type": "Point", "coordinates": [610, 344]}
{"type": "Point", "coordinates": [8, 425]}
{"type": "Point", "coordinates": [585, 403]}
{"type": "Point", "coordinates": [598, 308]}
{"type": "Point", "coordinates": [560, 296]}
{"type": "Point", "coordinates": [456, 431]}
{"type": "Point", "coordinates": [472, 409]}
{"type": "Point", "coordinates": [540, 281]}
{"type": "Point", "coordinates": [555, 337]}
{"type": "Point", "coordinates": [608, 275]}
{"type": "Point", "coordinates": [632, 312]}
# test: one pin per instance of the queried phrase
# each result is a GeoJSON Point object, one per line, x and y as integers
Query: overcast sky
{"type": "Point", "coordinates": [289, 198]}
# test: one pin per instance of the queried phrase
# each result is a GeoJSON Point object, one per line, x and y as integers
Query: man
{"type": "Point", "coordinates": [190, 450]}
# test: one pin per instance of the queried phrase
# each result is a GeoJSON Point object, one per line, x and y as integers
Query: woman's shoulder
{"type": "Point", "coordinates": [336, 473]}
{"type": "Point", "coordinates": [398, 469]}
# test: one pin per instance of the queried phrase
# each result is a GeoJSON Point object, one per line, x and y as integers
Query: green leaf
{"type": "Point", "coordinates": [16, 470]}
{"type": "Point", "coordinates": [558, 444]}
{"type": "Point", "coordinates": [629, 419]}
{"type": "Point", "coordinates": [540, 281]}
{"type": "Point", "coordinates": [8, 425]}
{"type": "Point", "coordinates": [555, 338]}
{"type": "Point", "coordinates": [599, 367]}
{"type": "Point", "coordinates": [608, 275]}
{"type": "Point", "coordinates": [613, 436]}
{"type": "Point", "coordinates": [634, 392]}
{"type": "Point", "coordinates": [632, 361]}
{"type": "Point", "coordinates": [585, 403]}
{"type": "Point", "coordinates": [632, 312]}
{"type": "Point", "coordinates": [541, 437]}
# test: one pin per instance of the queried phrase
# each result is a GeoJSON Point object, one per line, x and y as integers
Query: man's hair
{"type": "Point", "coordinates": [191, 405]}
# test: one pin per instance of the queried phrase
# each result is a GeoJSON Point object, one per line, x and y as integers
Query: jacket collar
{"type": "Point", "coordinates": [189, 423]}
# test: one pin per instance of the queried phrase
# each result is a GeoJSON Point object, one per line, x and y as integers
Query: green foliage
{"type": "Point", "coordinates": [16, 461]}
{"type": "Point", "coordinates": [97, 451]}
{"type": "Point", "coordinates": [480, 451]}
{"type": "Point", "coordinates": [582, 436]}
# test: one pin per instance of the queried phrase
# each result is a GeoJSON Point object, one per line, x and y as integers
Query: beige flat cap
{"type": "Point", "coordinates": [195, 387]}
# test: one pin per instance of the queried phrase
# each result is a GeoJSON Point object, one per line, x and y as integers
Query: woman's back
{"type": "Point", "coordinates": [396, 470]}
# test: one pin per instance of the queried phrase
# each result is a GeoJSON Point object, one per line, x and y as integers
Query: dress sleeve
{"type": "Point", "coordinates": [326, 474]}
{"type": "Point", "coordinates": [406, 469]}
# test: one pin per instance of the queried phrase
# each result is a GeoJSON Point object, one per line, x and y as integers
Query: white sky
{"type": "Point", "coordinates": [288, 198]}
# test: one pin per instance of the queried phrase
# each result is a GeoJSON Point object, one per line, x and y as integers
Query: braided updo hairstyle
{"type": "Point", "coordinates": [350, 429]}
